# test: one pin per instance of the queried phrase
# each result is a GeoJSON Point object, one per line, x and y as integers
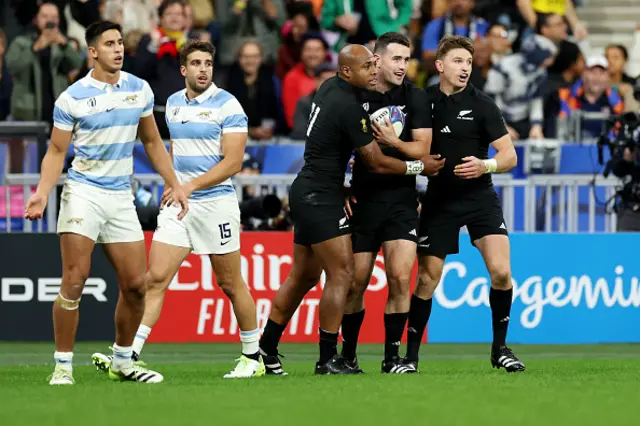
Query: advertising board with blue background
{"type": "Point", "coordinates": [568, 288]}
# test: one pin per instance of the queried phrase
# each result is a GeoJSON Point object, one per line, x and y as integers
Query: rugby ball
{"type": "Point", "coordinates": [392, 113]}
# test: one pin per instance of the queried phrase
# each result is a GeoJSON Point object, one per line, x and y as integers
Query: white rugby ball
{"type": "Point", "coordinates": [392, 113]}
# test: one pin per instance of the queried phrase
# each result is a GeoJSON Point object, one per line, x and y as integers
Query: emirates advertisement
{"type": "Point", "coordinates": [196, 309]}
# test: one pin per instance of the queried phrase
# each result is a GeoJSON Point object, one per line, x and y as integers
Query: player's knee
{"type": "Point", "coordinates": [500, 277]}
{"type": "Point", "coordinates": [399, 286]}
{"type": "Point", "coordinates": [231, 287]}
{"type": "Point", "coordinates": [134, 289]}
{"type": "Point", "coordinates": [427, 283]}
{"type": "Point", "coordinates": [73, 279]}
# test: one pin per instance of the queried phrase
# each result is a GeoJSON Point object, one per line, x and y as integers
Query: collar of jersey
{"type": "Point", "coordinates": [457, 97]}
{"type": "Point", "coordinates": [202, 97]}
{"type": "Point", "coordinates": [89, 80]}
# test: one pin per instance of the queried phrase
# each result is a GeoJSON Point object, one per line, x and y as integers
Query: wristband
{"type": "Point", "coordinates": [414, 167]}
{"type": "Point", "coordinates": [491, 165]}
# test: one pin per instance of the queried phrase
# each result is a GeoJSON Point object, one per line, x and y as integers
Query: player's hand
{"type": "Point", "coordinates": [349, 200]}
{"type": "Point", "coordinates": [432, 164]}
{"type": "Point", "coordinates": [177, 195]}
{"type": "Point", "coordinates": [471, 168]}
{"type": "Point", "coordinates": [536, 132]}
{"type": "Point", "coordinates": [385, 134]}
{"type": "Point", "coordinates": [35, 207]}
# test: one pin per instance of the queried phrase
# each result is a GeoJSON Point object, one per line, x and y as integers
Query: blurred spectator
{"type": "Point", "coordinates": [458, 20]}
{"type": "Point", "coordinates": [85, 12]}
{"type": "Point", "coordinates": [489, 51]}
{"type": "Point", "coordinates": [565, 71]}
{"type": "Point", "coordinates": [301, 22]}
{"type": "Point", "coordinates": [552, 26]}
{"type": "Point", "coordinates": [253, 86]}
{"type": "Point", "coordinates": [516, 85]}
{"type": "Point", "coordinates": [360, 21]}
{"type": "Point", "coordinates": [39, 62]}
{"type": "Point", "coordinates": [303, 107]}
{"type": "Point", "coordinates": [5, 80]}
{"type": "Point", "coordinates": [300, 81]}
{"type": "Point", "coordinates": [156, 58]}
{"type": "Point", "coordinates": [592, 93]}
{"type": "Point", "coordinates": [250, 167]}
{"type": "Point", "coordinates": [132, 15]}
{"type": "Point", "coordinates": [531, 9]}
{"type": "Point", "coordinates": [249, 19]}
{"type": "Point", "coordinates": [617, 56]}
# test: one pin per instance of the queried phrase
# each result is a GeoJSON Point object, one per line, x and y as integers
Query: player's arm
{"type": "Point", "coordinates": [505, 159]}
{"type": "Point", "coordinates": [158, 155]}
{"type": "Point", "coordinates": [235, 132]}
{"type": "Point", "coordinates": [233, 145]}
{"type": "Point", "coordinates": [156, 151]}
{"type": "Point", "coordinates": [61, 134]}
{"type": "Point", "coordinates": [153, 143]}
{"type": "Point", "coordinates": [53, 161]}
{"type": "Point", "coordinates": [358, 128]}
{"type": "Point", "coordinates": [421, 125]}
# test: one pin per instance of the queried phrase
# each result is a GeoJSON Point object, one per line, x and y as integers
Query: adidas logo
{"type": "Point", "coordinates": [445, 130]}
{"type": "Point", "coordinates": [503, 226]}
{"type": "Point", "coordinates": [413, 232]}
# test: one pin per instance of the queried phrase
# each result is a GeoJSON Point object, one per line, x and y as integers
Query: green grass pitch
{"type": "Point", "coordinates": [563, 385]}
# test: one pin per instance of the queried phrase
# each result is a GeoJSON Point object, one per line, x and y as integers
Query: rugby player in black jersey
{"type": "Point", "coordinates": [338, 124]}
{"type": "Point", "coordinates": [384, 208]}
{"type": "Point", "coordinates": [465, 122]}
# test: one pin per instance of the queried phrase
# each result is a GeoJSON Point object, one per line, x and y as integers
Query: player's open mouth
{"type": "Point", "coordinates": [399, 74]}
{"type": "Point", "coordinates": [202, 79]}
{"type": "Point", "coordinates": [463, 77]}
{"type": "Point", "coordinates": [117, 59]}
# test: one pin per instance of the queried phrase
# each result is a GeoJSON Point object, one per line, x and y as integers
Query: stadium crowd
{"type": "Point", "coordinates": [532, 56]}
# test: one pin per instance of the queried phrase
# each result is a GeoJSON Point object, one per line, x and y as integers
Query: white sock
{"type": "Point", "coordinates": [121, 357]}
{"type": "Point", "coordinates": [63, 359]}
{"type": "Point", "coordinates": [141, 337]}
{"type": "Point", "coordinates": [250, 341]}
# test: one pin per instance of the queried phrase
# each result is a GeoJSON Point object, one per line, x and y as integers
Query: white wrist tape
{"type": "Point", "coordinates": [491, 165]}
{"type": "Point", "coordinates": [414, 167]}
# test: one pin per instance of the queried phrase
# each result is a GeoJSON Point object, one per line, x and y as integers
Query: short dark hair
{"type": "Point", "coordinates": [166, 3]}
{"type": "Point", "coordinates": [389, 38]}
{"type": "Point", "coordinates": [449, 43]}
{"type": "Point", "coordinates": [95, 30]}
{"type": "Point", "coordinates": [621, 48]}
{"type": "Point", "coordinates": [196, 46]}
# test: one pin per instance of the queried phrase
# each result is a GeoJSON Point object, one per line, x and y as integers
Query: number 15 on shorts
{"type": "Point", "coordinates": [225, 231]}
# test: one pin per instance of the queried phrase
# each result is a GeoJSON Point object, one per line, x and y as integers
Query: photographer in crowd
{"type": "Point", "coordinates": [625, 164]}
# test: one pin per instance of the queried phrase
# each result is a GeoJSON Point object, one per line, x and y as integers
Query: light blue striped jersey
{"type": "Point", "coordinates": [104, 120]}
{"type": "Point", "coordinates": [196, 127]}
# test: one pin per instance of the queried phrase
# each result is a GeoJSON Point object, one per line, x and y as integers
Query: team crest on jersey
{"type": "Point", "coordinates": [205, 115]}
{"type": "Point", "coordinates": [131, 99]}
{"type": "Point", "coordinates": [365, 106]}
{"type": "Point", "coordinates": [91, 103]}
{"type": "Point", "coordinates": [176, 111]}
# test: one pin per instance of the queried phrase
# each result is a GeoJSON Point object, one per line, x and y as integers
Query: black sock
{"type": "Point", "coordinates": [418, 319]}
{"type": "Point", "coordinates": [393, 329]}
{"type": "Point", "coordinates": [271, 337]}
{"type": "Point", "coordinates": [255, 357]}
{"type": "Point", "coordinates": [500, 302]}
{"type": "Point", "coordinates": [328, 345]}
{"type": "Point", "coordinates": [351, 324]}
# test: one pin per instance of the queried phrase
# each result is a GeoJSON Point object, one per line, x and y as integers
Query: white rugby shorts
{"type": "Point", "coordinates": [211, 226]}
{"type": "Point", "coordinates": [105, 216]}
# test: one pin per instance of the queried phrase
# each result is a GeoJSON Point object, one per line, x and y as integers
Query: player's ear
{"type": "Point", "coordinates": [183, 70]}
{"type": "Point", "coordinates": [93, 53]}
{"type": "Point", "coordinates": [439, 65]}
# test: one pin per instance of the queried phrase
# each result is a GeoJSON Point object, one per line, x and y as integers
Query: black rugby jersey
{"type": "Point", "coordinates": [464, 125]}
{"type": "Point", "coordinates": [416, 110]}
{"type": "Point", "coordinates": [337, 125]}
